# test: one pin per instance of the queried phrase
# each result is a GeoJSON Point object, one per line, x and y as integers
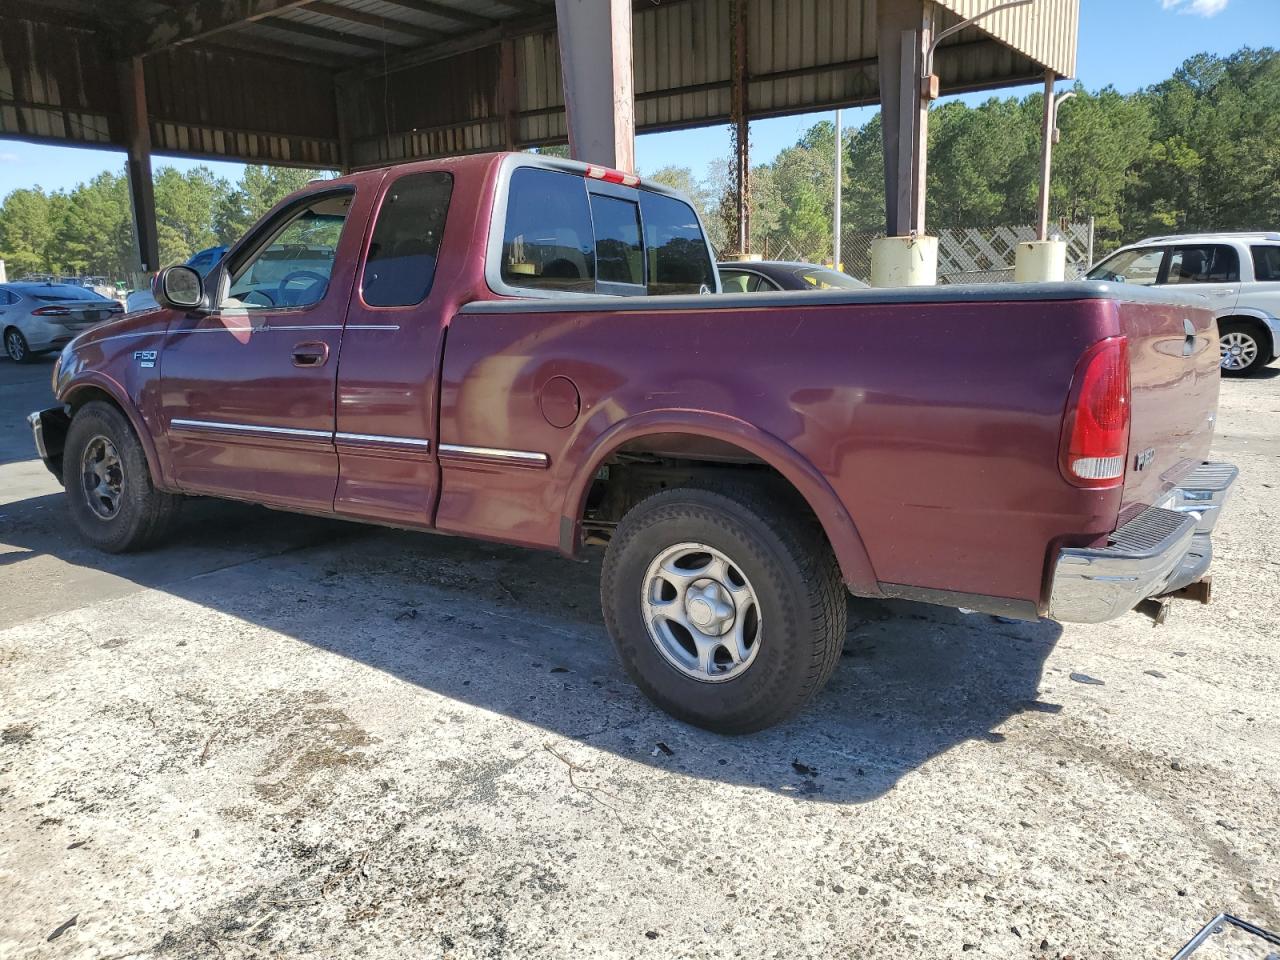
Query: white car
{"type": "Point", "coordinates": [1238, 272]}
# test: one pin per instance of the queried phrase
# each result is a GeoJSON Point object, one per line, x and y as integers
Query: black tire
{"type": "Point", "coordinates": [1243, 334]}
{"type": "Point", "coordinates": [142, 514]}
{"type": "Point", "coordinates": [16, 346]}
{"type": "Point", "coordinates": [789, 565]}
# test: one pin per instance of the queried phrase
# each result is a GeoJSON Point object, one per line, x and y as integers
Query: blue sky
{"type": "Point", "coordinates": [1124, 43]}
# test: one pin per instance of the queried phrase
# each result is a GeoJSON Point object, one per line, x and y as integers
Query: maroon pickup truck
{"type": "Point", "coordinates": [518, 348]}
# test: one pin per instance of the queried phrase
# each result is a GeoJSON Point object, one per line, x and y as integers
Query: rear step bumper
{"type": "Point", "coordinates": [1163, 550]}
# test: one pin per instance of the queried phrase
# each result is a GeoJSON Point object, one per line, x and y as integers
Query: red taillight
{"type": "Point", "coordinates": [51, 312]}
{"type": "Point", "coordinates": [1095, 431]}
{"type": "Point", "coordinates": [612, 176]}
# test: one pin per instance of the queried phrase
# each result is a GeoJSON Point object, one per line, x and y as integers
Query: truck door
{"type": "Point", "coordinates": [389, 367]}
{"type": "Point", "coordinates": [247, 388]}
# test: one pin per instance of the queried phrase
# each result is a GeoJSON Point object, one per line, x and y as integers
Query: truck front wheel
{"type": "Point", "coordinates": [725, 608]}
{"type": "Point", "coordinates": [112, 500]}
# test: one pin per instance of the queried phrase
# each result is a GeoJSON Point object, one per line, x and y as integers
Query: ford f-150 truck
{"type": "Point", "coordinates": [516, 348]}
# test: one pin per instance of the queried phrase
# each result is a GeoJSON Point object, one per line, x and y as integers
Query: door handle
{"type": "Point", "coordinates": [310, 354]}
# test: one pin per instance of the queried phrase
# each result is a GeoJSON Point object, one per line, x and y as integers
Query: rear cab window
{"type": "Point", "coordinates": [548, 243]}
{"type": "Point", "coordinates": [566, 233]}
{"type": "Point", "coordinates": [401, 264]}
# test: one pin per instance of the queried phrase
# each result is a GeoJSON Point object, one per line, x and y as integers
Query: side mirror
{"type": "Point", "coordinates": [179, 288]}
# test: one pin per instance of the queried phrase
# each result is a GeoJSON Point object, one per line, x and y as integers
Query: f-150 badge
{"type": "Point", "coordinates": [145, 358]}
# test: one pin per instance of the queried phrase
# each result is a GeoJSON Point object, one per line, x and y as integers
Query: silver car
{"type": "Point", "coordinates": [1238, 273]}
{"type": "Point", "coordinates": [36, 317]}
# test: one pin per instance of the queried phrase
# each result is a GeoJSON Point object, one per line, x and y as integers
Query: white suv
{"type": "Point", "coordinates": [1238, 272]}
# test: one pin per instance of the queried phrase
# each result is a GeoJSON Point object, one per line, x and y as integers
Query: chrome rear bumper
{"type": "Point", "coordinates": [1163, 549]}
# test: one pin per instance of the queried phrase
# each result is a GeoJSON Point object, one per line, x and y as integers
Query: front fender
{"type": "Point", "coordinates": [72, 390]}
{"type": "Point", "coordinates": [855, 564]}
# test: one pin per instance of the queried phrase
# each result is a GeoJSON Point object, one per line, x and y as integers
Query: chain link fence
{"type": "Point", "coordinates": [965, 254]}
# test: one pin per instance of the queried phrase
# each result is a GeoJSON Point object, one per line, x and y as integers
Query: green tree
{"type": "Point", "coordinates": [26, 232]}
{"type": "Point", "coordinates": [186, 211]}
{"type": "Point", "coordinates": [260, 188]}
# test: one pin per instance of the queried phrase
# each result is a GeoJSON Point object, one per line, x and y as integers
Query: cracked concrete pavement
{"type": "Point", "coordinates": [280, 736]}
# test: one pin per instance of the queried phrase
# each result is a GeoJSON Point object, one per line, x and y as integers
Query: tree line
{"type": "Point", "coordinates": [1199, 151]}
{"type": "Point", "coordinates": [88, 230]}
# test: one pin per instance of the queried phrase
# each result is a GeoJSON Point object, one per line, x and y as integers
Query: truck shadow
{"type": "Point", "coordinates": [519, 633]}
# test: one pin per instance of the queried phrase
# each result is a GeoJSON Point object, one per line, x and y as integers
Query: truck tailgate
{"type": "Point", "coordinates": [1173, 355]}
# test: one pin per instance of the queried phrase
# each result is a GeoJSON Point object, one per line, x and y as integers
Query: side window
{"type": "Point", "coordinates": [1132, 266]}
{"type": "Point", "coordinates": [1266, 263]}
{"type": "Point", "coordinates": [406, 240]}
{"type": "Point", "coordinates": [548, 242]}
{"type": "Point", "coordinates": [677, 252]}
{"type": "Point", "coordinates": [1207, 264]}
{"type": "Point", "coordinates": [292, 266]}
{"type": "Point", "coordinates": [7, 298]}
{"type": "Point", "coordinates": [619, 253]}
{"type": "Point", "coordinates": [734, 281]}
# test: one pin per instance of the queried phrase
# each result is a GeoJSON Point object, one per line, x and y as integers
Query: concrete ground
{"type": "Point", "coordinates": [286, 737]}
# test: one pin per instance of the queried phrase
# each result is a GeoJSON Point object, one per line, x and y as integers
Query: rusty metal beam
{"type": "Point", "coordinates": [137, 131]}
{"type": "Point", "coordinates": [207, 18]}
{"type": "Point", "coordinates": [739, 110]}
{"type": "Point", "coordinates": [339, 12]}
{"type": "Point", "coordinates": [465, 17]}
{"type": "Point", "coordinates": [239, 42]}
{"type": "Point", "coordinates": [596, 70]}
{"type": "Point", "coordinates": [509, 94]}
{"type": "Point", "coordinates": [324, 33]}
{"type": "Point", "coordinates": [904, 32]}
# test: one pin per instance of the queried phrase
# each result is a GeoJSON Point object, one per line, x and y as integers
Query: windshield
{"type": "Point", "coordinates": [823, 279]}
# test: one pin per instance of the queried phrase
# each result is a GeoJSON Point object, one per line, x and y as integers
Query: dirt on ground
{"type": "Point", "coordinates": [280, 736]}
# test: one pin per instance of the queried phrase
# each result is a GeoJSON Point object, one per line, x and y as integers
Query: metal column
{"type": "Point", "coordinates": [741, 127]}
{"type": "Point", "coordinates": [137, 131]}
{"type": "Point", "coordinates": [905, 31]}
{"type": "Point", "coordinates": [595, 66]}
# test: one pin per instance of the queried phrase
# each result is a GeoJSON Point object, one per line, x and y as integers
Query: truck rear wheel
{"type": "Point", "coordinates": [112, 500]}
{"type": "Point", "coordinates": [725, 609]}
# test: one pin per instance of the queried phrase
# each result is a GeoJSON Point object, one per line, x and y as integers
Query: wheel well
{"type": "Point", "coordinates": [1253, 323]}
{"type": "Point", "coordinates": [84, 395]}
{"type": "Point", "coordinates": [642, 467]}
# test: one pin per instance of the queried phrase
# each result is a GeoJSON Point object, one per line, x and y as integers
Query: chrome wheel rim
{"type": "Point", "coordinates": [102, 477]}
{"type": "Point", "coordinates": [1238, 350]}
{"type": "Point", "coordinates": [13, 343]}
{"type": "Point", "coordinates": [701, 612]}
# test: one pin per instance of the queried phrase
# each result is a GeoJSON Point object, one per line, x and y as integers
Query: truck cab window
{"type": "Point", "coordinates": [292, 266]}
{"type": "Point", "coordinates": [406, 240]}
{"type": "Point", "coordinates": [677, 253]}
{"type": "Point", "coordinates": [619, 254]}
{"type": "Point", "coordinates": [548, 243]}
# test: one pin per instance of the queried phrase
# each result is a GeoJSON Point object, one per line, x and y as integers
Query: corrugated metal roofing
{"type": "Point", "coordinates": [422, 77]}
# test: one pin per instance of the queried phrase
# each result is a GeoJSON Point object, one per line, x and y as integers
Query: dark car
{"type": "Point", "coordinates": [762, 276]}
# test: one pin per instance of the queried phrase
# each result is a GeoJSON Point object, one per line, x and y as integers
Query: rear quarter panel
{"type": "Point", "coordinates": [937, 425]}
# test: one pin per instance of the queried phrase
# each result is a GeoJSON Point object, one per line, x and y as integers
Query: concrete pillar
{"type": "Point", "coordinates": [904, 30]}
{"type": "Point", "coordinates": [137, 131]}
{"type": "Point", "coordinates": [595, 66]}
{"type": "Point", "coordinates": [1040, 261]}
{"type": "Point", "coordinates": [904, 262]}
